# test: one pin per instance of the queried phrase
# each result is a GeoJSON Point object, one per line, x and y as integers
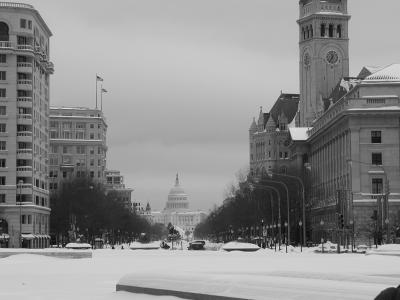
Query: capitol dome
{"type": "Point", "coordinates": [177, 198]}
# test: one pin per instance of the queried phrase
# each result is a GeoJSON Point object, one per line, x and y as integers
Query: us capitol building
{"type": "Point", "coordinates": [177, 211]}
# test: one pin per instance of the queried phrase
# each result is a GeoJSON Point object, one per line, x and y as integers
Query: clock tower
{"type": "Point", "coordinates": [324, 54]}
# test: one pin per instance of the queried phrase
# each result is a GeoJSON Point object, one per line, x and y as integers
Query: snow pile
{"type": "Point", "coordinates": [329, 247]}
{"type": "Point", "coordinates": [78, 246]}
{"type": "Point", "coordinates": [144, 246]}
{"type": "Point", "coordinates": [389, 249]}
{"type": "Point", "coordinates": [239, 246]}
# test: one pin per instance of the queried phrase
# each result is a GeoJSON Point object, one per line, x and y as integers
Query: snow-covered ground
{"type": "Point", "coordinates": [267, 274]}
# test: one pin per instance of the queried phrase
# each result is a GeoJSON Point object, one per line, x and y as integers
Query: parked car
{"type": "Point", "coordinates": [196, 245]}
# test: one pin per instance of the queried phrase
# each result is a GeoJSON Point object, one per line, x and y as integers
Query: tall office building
{"type": "Point", "coordinates": [25, 72]}
{"type": "Point", "coordinates": [78, 145]}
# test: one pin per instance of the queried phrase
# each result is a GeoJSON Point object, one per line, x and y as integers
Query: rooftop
{"type": "Point", "coordinates": [389, 73]}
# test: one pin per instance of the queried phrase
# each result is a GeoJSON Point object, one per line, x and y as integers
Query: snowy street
{"type": "Point", "coordinates": [260, 275]}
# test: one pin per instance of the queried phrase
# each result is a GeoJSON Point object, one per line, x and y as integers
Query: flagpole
{"type": "Point", "coordinates": [96, 90]}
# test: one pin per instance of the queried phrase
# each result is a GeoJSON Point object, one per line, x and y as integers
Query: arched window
{"type": "Point", "coordinates": [4, 32]}
{"type": "Point", "coordinates": [304, 34]}
{"type": "Point", "coordinates": [308, 32]}
{"type": "Point", "coordinates": [339, 31]}
{"type": "Point", "coordinates": [323, 27]}
{"type": "Point", "coordinates": [330, 30]}
{"type": "Point", "coordinates": [311, 32]}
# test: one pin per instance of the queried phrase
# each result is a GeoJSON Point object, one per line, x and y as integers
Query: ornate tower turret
{"type": "Point", "coordinates": [324, 53]}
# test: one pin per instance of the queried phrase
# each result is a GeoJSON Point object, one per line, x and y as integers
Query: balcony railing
{"type": "Point", "coordinates": [16, 5]}
{"type": "Point", "coordinates": [24, 65]}
{"type": "Point", "coordinates": [24, 151]}
{"type": "Point", "coordinates": [25, 116]}
{"type": "Point", "coordinates": [24, 169]}
{"type": "Point", "coordinates": [24, 99]}
{"type": "Point", "coordinates": [24, 81]}
{"type": "Point", "coordinates": [6, 44]}
{"type": "Point", "coordinates": [24, 133]}
{"type": "Point", "coordinates": [25, 47]}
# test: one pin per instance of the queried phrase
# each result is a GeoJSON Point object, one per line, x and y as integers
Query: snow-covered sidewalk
{"type": "Point", "coordinates": [264, 274]}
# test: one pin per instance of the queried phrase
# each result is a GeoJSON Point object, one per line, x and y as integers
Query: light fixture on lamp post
{"type": "Point", "coordinates": [286, 227]}
{"type": "Point", "coordinates": [303, 196]}
{"type": "Point", "coordinates": [322, 234]}
{"type": "Point", "coordinates": [352, 235]}
{"type": "Point", "coordinates": [387, 230]}
{"type": "Point", "coordinates": [301, 244]}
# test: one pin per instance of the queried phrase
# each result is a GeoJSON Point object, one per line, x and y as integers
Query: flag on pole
{"type": "Point", "coordinates": [104, 91]}
{"type": "Point", "coordinates": [98, 78]}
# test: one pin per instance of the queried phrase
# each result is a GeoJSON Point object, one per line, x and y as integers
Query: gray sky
{"type": "Point", "coordinates": [186, 77]}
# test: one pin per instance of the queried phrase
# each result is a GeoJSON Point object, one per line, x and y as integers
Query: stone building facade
{"type": "Point", "coordinates": [269, 137]}
{"type": "Point", "coordinates": [346, 143]}
{"type": "Point", "coordinates": [25, 70]}
{"type": "Point", "coordinates": [78, 145]}
{"type": "Point", "coordinates": [114, 183]}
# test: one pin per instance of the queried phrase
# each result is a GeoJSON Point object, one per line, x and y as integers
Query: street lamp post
{"type": "Point", "coordinates": [286, 227]}
{"type": "Point", "coordinates": [387, 230]}
{"type": "Point", "coordinates": [301, 244]}
{"type": "Point", "coordinates": [20, 182]}
{"type": "Point", "coordinates": [302, 196]}
{"type": "Point", "coordinates": [269, 188]}
{"type": "Point", "coordinates": [275, 236]}
{"type": "Point", "coordinates": [287, 202]}
{"type": "Point", "coordinates": [322, 234]}
{"type": "Point", "coordinates": [352, 235]}
{"type": "Point", "coordinates": [262, 233]}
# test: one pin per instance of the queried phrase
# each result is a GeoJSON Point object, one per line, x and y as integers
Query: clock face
{"type": "Point", "coordinates": [332, 57]}
{"type": "Point", "coordinates": [307, 59]}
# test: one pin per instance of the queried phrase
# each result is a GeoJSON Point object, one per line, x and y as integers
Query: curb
{"type": "Point", "coordinates": [179, 294]}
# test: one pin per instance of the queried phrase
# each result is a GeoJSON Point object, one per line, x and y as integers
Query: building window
{"type": "Point", "coordinates": [80, 149]}
{"type": "Point", "coordinates": [91, 151]}
{"type": "Point", "coordinates": [29, 24]}
{"type": "Point", "coordinates": [23, 219]}
{"type": "Point", "coordinates": [29, 219]}
{"type": "Point", "coordinates": [91, 174]}
{"type": "Point", "coordinates": [3, 93]}
{"type": "Point", "coordinates": [3, 58]}
{"type": "Point", "coordinates": [2, 162]}
{"type": "Point", "coordinates": [2, 198]}
{"type": "Point", "coordinates": [3, 110]}
{"type": "Point", "coordinates": [376, 137]}
{"type": "Point", "coordinates": [92, 136]}
{"type": "Point", "coordinates": [2, 127]}
{"type": "Point", "coordinates": [377, 159]}
{"type": "Point", "coordinates": [2, 180]}
{"type": "Point", "coordinates": [92, 162]}
{"type": "Point", "coordinates": [65, 149]}
{"type": "Point", "coordinates": [3, 75]}
{"type": "Point", "coordinates": [91, 126]}
{"type": "Point", "coordinates": [377, 185]}
{"type": "Point", "coordinates": [22, 23]}
{"type": "Point", "coordinates": [64, 174]}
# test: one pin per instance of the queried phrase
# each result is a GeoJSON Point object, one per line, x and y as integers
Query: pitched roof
{"type": "Point", "coordinates": [368, 70]}
{"type": "Point", "coordinates": [388, 74]}
{"type": "Point", "coordinates": [286, 104]}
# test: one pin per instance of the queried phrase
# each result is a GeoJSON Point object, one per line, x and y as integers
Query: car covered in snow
{"type": "Point", "coordinates": [197, 245]}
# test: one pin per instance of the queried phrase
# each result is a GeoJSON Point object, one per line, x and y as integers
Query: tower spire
{"type": "Point", "coordinates": [177, 180]}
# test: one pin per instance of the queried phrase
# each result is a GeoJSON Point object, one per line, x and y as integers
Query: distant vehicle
{"type": "Point", "coordinates": [197, 245]}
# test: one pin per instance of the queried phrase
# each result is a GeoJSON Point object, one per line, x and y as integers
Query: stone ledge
{"type": "Point", "coordinates": [178, 294]}
{"type": "Point", "coordinates": [74, 254]}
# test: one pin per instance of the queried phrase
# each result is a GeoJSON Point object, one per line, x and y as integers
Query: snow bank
{"type": "Point", "coordinates": [239, 246]}
{"type": "Point", "coordinates": [144, 246]}
{"type": "Point", "coordinates": [389, 249]}
{"type": "Point", "coordinates": [78, 246]}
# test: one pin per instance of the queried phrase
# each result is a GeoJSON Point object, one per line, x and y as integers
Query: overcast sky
{"type": "Point", "coordinates": [186, 77]}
